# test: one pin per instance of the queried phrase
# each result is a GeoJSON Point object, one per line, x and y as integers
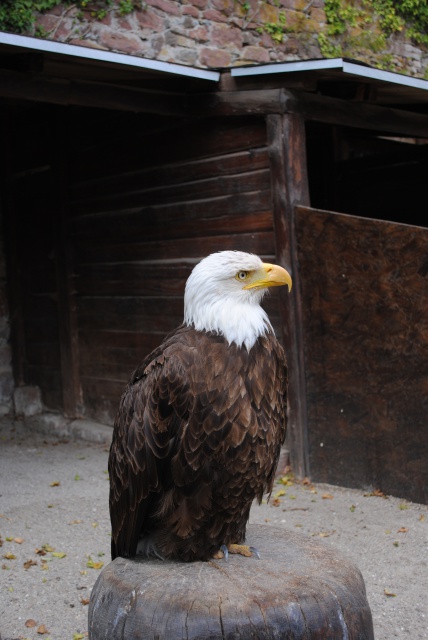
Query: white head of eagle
{"type": "Point", "coordinates": [223, 295]}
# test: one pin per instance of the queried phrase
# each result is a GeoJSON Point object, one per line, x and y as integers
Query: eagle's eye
{"type": "Point", "coordinates": [242, 275]}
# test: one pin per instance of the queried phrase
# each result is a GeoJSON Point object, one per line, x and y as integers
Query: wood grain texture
{"type": "Point", "coordinates": [299, 589]}
{"type": "Point", "coordinates": [145, 208]}
{"type": "Point", "coordinates": [365, 291]}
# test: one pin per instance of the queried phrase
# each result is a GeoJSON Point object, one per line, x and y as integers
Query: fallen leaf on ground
{"type": "Point", "coordinates": [18, 540]}
{"type": "Point", "coordinates": [47, 547]}
{"type": "Point", "coordinates": [75, 522]}
{"type": "Point", "coordinates": [389, 593]}
{"type": "Point", "coordinates": [30, 623]}
{"type": "Point", "coordinates": [327, 496]}
{"type": "Point", "coordinates": [78, 636]}
{"type": "Point", "coordinates": [376, 493]}
{"type": "Point", "coordinates": [402, 530]}
{"type": "Point", "coordinates": [352, 508]}
{"type": "Point", "coordinates": [94, 524]}
{"type": "Point", "coordinates": [55, 483]}
{"type": "Point", "coordinates": [59, 554]}
{"type": "Point", "coordinates": [403, 506]}
{"type": "Point", "coordinates": [29, 563]}
{"type": "Point", "coordinates": [325, 534]}
{"type": "Point", "coordinates": [94, 565]}
{"type": "Point", "coordinates": [422, 518]}
{"type": "Point", "coordinates": [9, 556]}
{"type": "Point", "coordinates": [5, 567]}
{"type": "Point", "coordinates": [280, 493]}
{"type": "Point", "coordinates": [276, 502]}
{"type": "Point", "coordinates": [40, 552]}
{"type": "Point", "coordinates": [42, 629]}
{"type": "Point", "coordinates": [84, 601]}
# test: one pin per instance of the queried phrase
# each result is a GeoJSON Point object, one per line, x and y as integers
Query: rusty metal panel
{"type": "Point", "coordinates": [365, 315]}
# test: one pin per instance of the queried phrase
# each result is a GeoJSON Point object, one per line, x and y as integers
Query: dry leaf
{"type": "Point", "coordinates": [276, 502]}
{"type": "Point", "coordinates": [377, 493]}
{"type": "Point", "coordinates": [402, 530]}
{"type": "Point", "coordinates": [325, 534]}
{"type": "Point", "coordinates": [40, 552]}
{"type": "Point", "coordinates": [30, 623]}
{"type": "Point", "coordinates": [42, 629]}
{"type": "Point", "coordinates": [422, 518]}
{"type": "Point", "coordinates": [280, 493]}
{"type": "Point", "coordinates": [389, 593]}
{"type": "Point", "coordinates": [84, 601]}
{"type": "Point", "coordinates": [75, 522]}
{"type": "Point", "coordinates": [94, 565]}
{"type": "Point", "coordinates": [327, 496]}
{"type": "Point", "coordinates": [18, 540]}
{"type": "Point", "coordinates": [55, 483]}
{"type": "Point", "coordinates": [59, 554]}
{"type": "Point", "coordinates": [9, 556]}
{"type": "Point", "coordinates": [47, 547]}
{"type": "Point", "coordinates": [29, 563]}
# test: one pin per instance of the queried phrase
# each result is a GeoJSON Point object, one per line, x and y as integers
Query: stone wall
{"type": "Point", "coordinates": [223, 33]}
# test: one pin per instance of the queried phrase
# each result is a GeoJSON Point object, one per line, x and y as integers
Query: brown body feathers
{"type": "Point", "coordinates": [197, 438]}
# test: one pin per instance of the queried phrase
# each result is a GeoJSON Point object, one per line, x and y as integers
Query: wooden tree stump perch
{"type": "Point", "coordinates": [300, 589]}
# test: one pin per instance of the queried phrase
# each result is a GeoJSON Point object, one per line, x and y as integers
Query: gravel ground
{"type": "Point", "coordinates": [55, 532]}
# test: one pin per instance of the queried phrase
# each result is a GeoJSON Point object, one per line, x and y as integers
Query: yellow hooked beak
{"type": "Point", "coordinates": [269, 275]}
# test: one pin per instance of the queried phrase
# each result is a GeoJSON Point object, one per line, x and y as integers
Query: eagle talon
{"type": "Point", "coordinates": [222, 553]}
{"type": "Point", "coordinates": [243, 550]}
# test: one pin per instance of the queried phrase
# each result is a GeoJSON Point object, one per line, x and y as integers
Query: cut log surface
{"type": "Point", "coordinates": [300, 589]}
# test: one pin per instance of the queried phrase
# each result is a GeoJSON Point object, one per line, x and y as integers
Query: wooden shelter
{"type": "Point", "coordinates": [119, 173]}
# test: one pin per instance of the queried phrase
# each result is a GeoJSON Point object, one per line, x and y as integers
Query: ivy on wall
{"type": "Point", "coordinates": [354, 26]}
{"type": "Point", "coordinates": [17, 16]}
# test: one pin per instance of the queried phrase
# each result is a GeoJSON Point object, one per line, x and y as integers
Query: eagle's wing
{"type": "Point", "coordinates": [150, 419]}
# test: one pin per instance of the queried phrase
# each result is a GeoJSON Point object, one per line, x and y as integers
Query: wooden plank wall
{"type": "Point", "coordinates": [29, 210]}
{"type": "Point", "coordinates": [145, 207]}
{"type": "Point", "coordinates": [364, 293]}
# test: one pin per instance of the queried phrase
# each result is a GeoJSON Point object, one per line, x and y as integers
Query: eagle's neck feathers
{"type": "Point", "coordinates": [240, 321]}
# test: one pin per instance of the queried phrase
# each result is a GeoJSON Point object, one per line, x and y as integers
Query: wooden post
{"type": "Point", "coordinates": [287, 150]}
{"type": "Point", "coordinates": [300, 589]}
{"type": "Point", "coordinates": [11, 248]}
{"type": "Point", "coordinates": [67, 314]}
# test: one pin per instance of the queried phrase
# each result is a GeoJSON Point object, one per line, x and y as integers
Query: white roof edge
{"type": "Point", "coordinates": [386, 76]}
{"type": "Point", "coordinates": [50, 46]}
{"type": "Point", "coordinates": [286, 67]}
{"type": "Point", "coordinates": [332, 63]}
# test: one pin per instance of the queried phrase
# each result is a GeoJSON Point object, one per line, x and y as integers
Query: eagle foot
{"type": "Point", "coordinates": [241, 549]}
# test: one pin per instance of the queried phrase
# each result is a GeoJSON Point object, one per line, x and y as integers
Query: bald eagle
{"type": "Point", "coordinates": [201, 422]}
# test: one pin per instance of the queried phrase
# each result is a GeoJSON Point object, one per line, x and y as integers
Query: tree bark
{"type": "Point", "coordinates": [300, 589]}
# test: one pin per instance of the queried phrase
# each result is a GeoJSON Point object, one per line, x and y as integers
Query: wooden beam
{"type": "Point", "coordinates": [360, 115]}
{"type": "Point", "coordinates": [287, 151]}
{"type": "Point", "coordinates": [312, 106]}
{"type": "Point", "coordinates": [42, 88]}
